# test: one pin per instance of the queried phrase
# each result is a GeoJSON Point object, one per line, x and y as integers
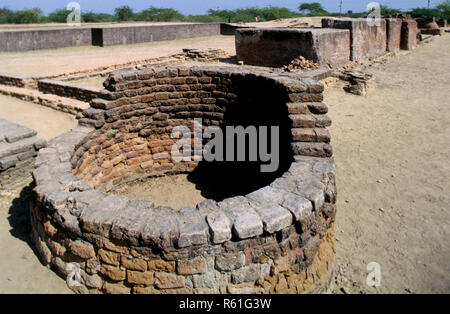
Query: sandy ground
{"type": "Point", "coordinates": [175, 191]}
{"type": "Point", "coordinates": [47, 122]}
{"type": "Point", "coordinates": [65, 60]}
{"type": "Point", "coordinates": [21, 271]}
{"type": "Point", "coordinates": [392, 151]}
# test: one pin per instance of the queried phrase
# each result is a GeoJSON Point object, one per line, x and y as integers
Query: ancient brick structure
{"type": "Point", "coordinates": [276, 47]}
{"type": "Point", "coordinates": [410, 34]}
{"type": "Point", "coordinates": [428, 26]}
{"type": "Point", "coordinates": [68, 89]}
{"type": "Point", "coordinates": [393, 34]}
{"type": "Point", "coordinates": [367, 41]}
{"type": "Point", "coordinates": [442, 22]}
{"type": "Point", "coordinates": [275, 238]}
{"type": "Point", "coordinates": [18, 147]}
{"type": "Point", "coordinates": [14, 80]}
{"type": "Point", "coordinates": [113, 35]}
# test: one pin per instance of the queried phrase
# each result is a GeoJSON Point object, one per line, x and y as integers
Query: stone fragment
{"type": "Point", "coordinates": [220, 227]}
{"type": "Point", "coordinates": [116, 288]}
{"type": "Point", "coordinates": [134, 263]}
{"type": "Point", "coordinates": [246, 222]}
{"type": "Point", "coordinates": [160, 265]}
{"type": "Point", "coordinates": [230, 261]}
{"type": "Point", "coordinates": [112, 272]}
{"type": "Point", "coordinates": [273, 216]}
{"type": "Point", "coordinates": [168, 281]}
{"type": "Point", "coordinates": [193, 228]}
{"type": "Point", "coordinates": [99, 218]}
{"type": "Point", "coordinates": [140, 278]}
{"type": "Point", "coordinates": [110, 258]}
{"type": "Point", "coordinates": [297, 205]}
{"type": "Point", "coordinates": [82, 249]}
{"type": "Point", "coordinates": [92, 281]}
{"type": "Point", "coordinates": [193, 266]}
{"type": "Point", "coordinates": [250, 273]}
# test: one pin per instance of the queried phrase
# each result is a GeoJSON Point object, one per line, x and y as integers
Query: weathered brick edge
{"type": "Point", "coordinates": [13, 80]}
{"type": "Point", "coordinates": [18, 148]}
{"type": "Point", "coordinates": [66, 89]}
{"type": "Point", "coordinates": [278, 239]}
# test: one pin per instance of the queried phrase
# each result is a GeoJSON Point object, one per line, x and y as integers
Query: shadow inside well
{"type": "Point", "coordinates": [259, 104]}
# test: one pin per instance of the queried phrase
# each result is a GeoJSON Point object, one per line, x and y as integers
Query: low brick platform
{"type": "Point", "coordinates": [277, 238]}
{"type": "Point", "coordinates": [276, 47]}
{"type": "Point", "coordinates": [366, 41]}
{"type": "Point", "coordinates": [18, 147]}
{"type": "Point", "coordinates": [68, 89]}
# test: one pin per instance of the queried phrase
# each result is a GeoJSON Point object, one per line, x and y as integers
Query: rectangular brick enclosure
{"type": "Point", "coordinates": [44, 39]}
{"type": "Point", "coordinates": [276, 47]}
{"type": "Point", "coordinates": [26, 40]}
{"type": "Point", "coordinates": [109, 36]}
{"type": "Point", "coordinates": [394, 34]}
{"type": "Point", "coordinates": [365, 41]}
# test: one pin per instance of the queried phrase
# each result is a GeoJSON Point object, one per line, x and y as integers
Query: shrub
{"type": "Point", "coordinates": [124, 13]}
{"type": "Point", "coordinates": [27, 16]}
{"type": "Point", "coordinates": [5, 15]}
{"type": "Point", "coordinates": [90, 17]}
{"type": "Point", "coordinates": [159, 15]}
{"type": "Point", "coordinates": [314, 9]}
{"type": "Point", "coordinates": [58, 16]}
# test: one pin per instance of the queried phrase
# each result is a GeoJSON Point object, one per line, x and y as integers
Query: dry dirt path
{"type": "Point", "coordinates": [65, 60]}
{"type": "Point", "coordinates": [21, 271]}
{"type": "Point", "coordinates": [392, 151]}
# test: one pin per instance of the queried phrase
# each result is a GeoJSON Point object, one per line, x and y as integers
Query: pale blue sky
{"type": "Point", "coordinates": [201, 6]}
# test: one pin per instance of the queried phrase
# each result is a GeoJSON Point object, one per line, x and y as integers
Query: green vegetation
{"type": "Point", "coordinates": [386, 11]}
{"type": "Point", "coordinates": [159, 15]}
{"type": "Point", "coordinates": [124, 13]}
{"type": "Point", "coordinates": [154, 14]}
{"type": "Point", "coordinates": [29, 16]}
{"type": "Point", "coordinates": [90, 17]}
{"type": "Point", "coordinates": [249, 14]}
{"type": "Point", "coordinates": [58, 16]}
{"type": "Point", "coordinates": [440, 11]}
{"type": "Point", "coordinates": [314, 9]}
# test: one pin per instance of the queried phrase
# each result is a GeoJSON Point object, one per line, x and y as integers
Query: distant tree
{"type": "Point", "coordinates": [58, 16]}
{"type": "Point", "coordinates": [385, 11]}
{"type": "Point", "coordinates": [440, 11]}
{"type": "Point", "coordinates": [160, 15]}
{"type": "Point", "coordinates": [313, 8]}
{"type": "Point", "coordinates": [5, 15]}
{"type": "Point", "coordinates": [124, 13]}
{"type": "Point", "coordinates": [29, 16]}
{"type": "Point", "coordinates": [204, 18]}
{"type": "Point", "coordinates": [91, 17]}
{"type": "Point", "coordinates": [249, 14]}
{"type": "Point", "coordinates": [444, 8]}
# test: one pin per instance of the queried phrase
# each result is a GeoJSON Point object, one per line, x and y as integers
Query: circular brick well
{"type": "Point", "coordinates": [257, 232]}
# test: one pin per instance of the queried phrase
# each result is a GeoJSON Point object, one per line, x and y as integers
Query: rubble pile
{"type": "Point", "coordinates": [301, 63]}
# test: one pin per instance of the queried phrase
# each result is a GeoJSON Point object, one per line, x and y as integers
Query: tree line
{"type": "Point", "coordinates": [154, 14]}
